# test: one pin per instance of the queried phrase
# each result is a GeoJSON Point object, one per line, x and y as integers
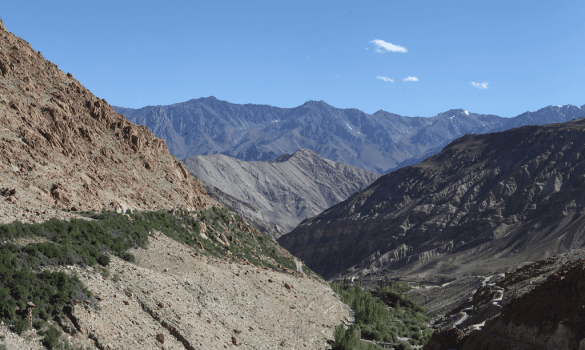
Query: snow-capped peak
{"type": "Point", "coordinates": [466, 112]}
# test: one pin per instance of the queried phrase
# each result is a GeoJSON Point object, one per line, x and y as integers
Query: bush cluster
{"type": "Point", "coordinates": [386, 313]}
{"type": "Point", "coordinates": [350, 339]}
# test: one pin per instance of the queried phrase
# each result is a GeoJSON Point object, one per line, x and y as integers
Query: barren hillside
{"type": "Point", "coordinates": [485, 202]}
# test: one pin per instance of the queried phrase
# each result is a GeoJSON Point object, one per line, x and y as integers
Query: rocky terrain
{"type": "Point", "coordinates": [63, 151]}
{"type": "Point", "coordinates": [377, 142]}
{"type": "Point", "coordinates": [537, 306]}
{"type": "Point", "coordinates": [61, 147]}
{"type": "Point", "coordinates": [483, 204]}
{"type": "Point", "coordinates": [285, 191]}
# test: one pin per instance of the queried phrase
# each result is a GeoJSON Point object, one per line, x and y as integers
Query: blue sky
{"type": "Point", "coordinates": [529, 54]}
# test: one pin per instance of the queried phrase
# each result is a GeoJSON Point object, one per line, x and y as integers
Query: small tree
{"type": "Point", "coordinates": [347, 339]}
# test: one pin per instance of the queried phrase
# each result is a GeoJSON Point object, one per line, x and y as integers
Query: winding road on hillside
{"type": "Point", "coordinates": [495, 301]}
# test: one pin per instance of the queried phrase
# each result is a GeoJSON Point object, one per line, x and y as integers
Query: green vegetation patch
{"type": "Point", "coordinates": [244, 242]}
{"type": "Point", "coordinates": [385, 314]}
{"type": "Point", "coordinates": [350, 338]}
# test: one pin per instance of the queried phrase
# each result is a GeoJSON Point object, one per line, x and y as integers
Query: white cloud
{"type": "Point", "coordinates": [383, 46]}
{"type": "Point", "coordinates": [480, 86]}
{"type": "Point", "coordinates": [384, 78]}
{"type": "Point", "coordinates": [410, 79]}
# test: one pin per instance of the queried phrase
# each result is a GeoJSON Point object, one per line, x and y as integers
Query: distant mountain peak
{"type": "Point", "coordinates": [302, 153]}
{"type": "Point", "coordinates": [312, 103]}
{"type": "Point", "coordinates": [305, 151]}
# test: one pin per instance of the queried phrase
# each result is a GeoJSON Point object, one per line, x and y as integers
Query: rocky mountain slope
{"type": "Point", "coordinates": [376, 142]}
{"type": "Point", "coordinates": [211, 281]}
{"type": "Point", "coordinates": [177, 294]}
{"type": "Point", "coordinates": [286, 190]}
{"type": "Point", "coordinates": [483, 203]}
{"type": "Point", "coordinates": [62, 147]}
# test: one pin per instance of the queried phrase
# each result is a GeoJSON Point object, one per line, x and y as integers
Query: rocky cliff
{"type": "Point", "coordinates": [484, 202]}
{"type": "Point", "coordinates": [285, 191]}
{"type": "Point", "coordinates": [63, 147]}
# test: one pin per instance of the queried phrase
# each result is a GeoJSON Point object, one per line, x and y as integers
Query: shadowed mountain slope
{"type": "Point", "coordinates": [286, 190]}
{"type": "Point", "coordinates": [484, 201]}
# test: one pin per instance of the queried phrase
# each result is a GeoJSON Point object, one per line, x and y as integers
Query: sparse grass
{"type": "Point", "coordinates": [104, 272]}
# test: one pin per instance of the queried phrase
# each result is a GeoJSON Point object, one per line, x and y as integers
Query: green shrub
{"type": "Point", "coordinates": [51, 338]}
{"type": "Point", "coordinates": [346, 339]}
{"type": "Point", "coordinates": [403, 346]}
{"type": "Point", "coordinates": [21, 326]}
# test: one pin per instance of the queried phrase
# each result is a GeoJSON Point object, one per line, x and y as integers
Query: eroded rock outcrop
{"type": "Point", "coordinates": [60, 146]}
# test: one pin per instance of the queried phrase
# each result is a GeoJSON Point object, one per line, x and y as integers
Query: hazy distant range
{"type": "Point", "coordinates": [376, 142]}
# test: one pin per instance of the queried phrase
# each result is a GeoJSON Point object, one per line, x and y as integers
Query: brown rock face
{"type": "Point", "coordinates": [484, 202]}
{"type": "Point", "coordinates": [60, 146]}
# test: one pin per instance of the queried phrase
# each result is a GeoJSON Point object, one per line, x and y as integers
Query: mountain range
{"type": "Point", "coordinates": [377, 142]}
{"type": "Point", "coordinates": [284, 191]}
